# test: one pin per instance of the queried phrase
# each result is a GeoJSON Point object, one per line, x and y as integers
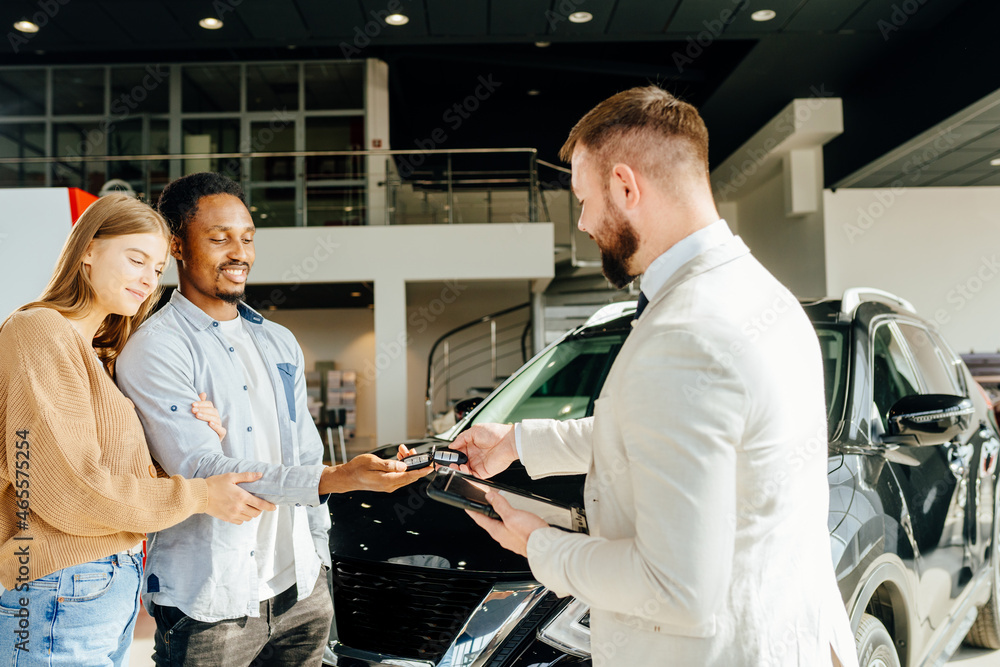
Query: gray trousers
{"type": "Point", "coordinates": [286, 633]}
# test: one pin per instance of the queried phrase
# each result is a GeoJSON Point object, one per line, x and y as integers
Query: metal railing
{"type": "Point", "coordinates": [488, 341]}
{"type": "Point", "coordinates": [338, 187]}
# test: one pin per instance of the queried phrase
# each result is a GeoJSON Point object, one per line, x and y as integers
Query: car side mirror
{"type": "Point", "coordinates": [923, 420]}
{"type": "Point", "coordinates": [466, 406]}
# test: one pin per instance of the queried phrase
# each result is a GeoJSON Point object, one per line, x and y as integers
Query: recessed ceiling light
{"type": "Point", "coordinates": [355, 293]}
{"type": "Point", "coordinates": [763, 15]}
{"type": "Point", "coordinates": [534, 92]}
{"type": "Point", "coordinates": [581, 17]}
{"type": "Point", "coordinates": [26, 26]}
{"type": "Point", "coordinates": [397, 19]}
{"type": "Point", "coordinates": [995, 162]}
{"type": "Point", "coordinates": [542, 45]}
{"type": "Point", "coordinates": [210, 23]}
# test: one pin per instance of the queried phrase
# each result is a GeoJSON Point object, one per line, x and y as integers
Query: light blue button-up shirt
{"type": "Point", "coordinates": [204, 566]}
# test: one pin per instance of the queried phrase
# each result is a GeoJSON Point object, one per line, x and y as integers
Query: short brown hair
{"type": "Point", "coordinates": [645, 127]}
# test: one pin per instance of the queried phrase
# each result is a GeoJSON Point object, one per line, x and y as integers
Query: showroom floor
{"type": "Point", "coordinates": [142, 648]}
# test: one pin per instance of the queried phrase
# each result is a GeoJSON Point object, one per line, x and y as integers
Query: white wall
{"type": "Point", "coordinates": [939, 248]}
{"type": "Point", "coordinates": [34, 224]}
{"type": "Point", "coordinates": [347, 336]}
{"type": "Point", "coordinates": [342, 335]}
{"type": "Point", "coordinates": [790, 248]}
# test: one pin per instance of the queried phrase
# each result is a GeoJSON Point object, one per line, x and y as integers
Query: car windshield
{"type": "Point", "coordinates": [562, 383]}
{"type": "Point", "coordinates": [565, 380]}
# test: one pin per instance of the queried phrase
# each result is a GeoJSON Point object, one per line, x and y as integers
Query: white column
{"type": "Point", "coordinates": [390, 360]}
{"type": "Point", "coordinates": [376, 136]}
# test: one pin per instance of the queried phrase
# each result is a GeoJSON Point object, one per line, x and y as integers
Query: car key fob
{"type": "Point", "coordinates": [447, 457]}
{"type": "Point", "coordinates": [418, 461]}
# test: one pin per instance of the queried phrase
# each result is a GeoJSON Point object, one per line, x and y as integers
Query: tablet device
{"type": "Point", "coordinates": [454, 488]}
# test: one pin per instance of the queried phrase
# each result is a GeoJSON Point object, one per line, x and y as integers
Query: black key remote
{"type": "Point", "coordinates": [417, 461]}
{"type": "Point", "coordinates": [447, 457]}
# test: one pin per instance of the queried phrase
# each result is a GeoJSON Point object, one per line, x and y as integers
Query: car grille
{"type": "Point", "coordinates": [406, 612]}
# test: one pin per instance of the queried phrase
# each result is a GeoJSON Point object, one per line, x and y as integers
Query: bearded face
{"type": "Point", "coordinates": [618, 244]}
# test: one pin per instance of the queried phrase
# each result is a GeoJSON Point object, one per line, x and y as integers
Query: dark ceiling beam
{"type": "Point", "coordinates": [608, 67]}
{"type": "Point", "coordinates": [917, 87]}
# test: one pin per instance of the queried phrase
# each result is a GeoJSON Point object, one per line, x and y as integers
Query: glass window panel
{"type": "Point", "coordinates": [203, 136]}
{"type": "Point", "coordinates": [78, 91]}
{"type": "Point", "coordinates": [331, 207]}
{"type": "Point", "coordinates": [272, 87]}
{"type": "Point", "coordinates": [893, 377]}
{"type": "Point", "coordinates": [125, 138]}
{"type": "Point", "coordinates": [210, 88]}
{"type": "Point", "coordinates": [20, 140]}
{"type": "Point", "coordinates": [140, 90]}
{"type": "Point", "coordinates": [22, 92]}
{"type": "Point", "coordinates": [334, 86]}
{"type": "Point", "coordinates": [159, 144]}
{"type": "Point", "coordinates": [930, 360]}
{"type": "Point", "coordinates": [273, 207]}
{"type": "Point", "coordinates": [268, 137]}
{"type": "Point", "coordinates": [339, 133]}
{"type": "Point", "coordinates": [75, 140]}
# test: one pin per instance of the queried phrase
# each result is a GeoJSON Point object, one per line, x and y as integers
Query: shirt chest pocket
{"type": "Point", "coordinates": [287, 373]}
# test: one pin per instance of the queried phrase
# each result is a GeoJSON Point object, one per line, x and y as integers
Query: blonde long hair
{"type": "Point", "coordinates": [70, 291]}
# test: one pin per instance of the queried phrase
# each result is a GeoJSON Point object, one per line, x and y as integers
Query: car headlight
{"type": "Point", "coordinates": [569, 630]}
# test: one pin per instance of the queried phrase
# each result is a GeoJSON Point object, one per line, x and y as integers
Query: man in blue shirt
{"type": "Point", "coordinates": [223, 594]}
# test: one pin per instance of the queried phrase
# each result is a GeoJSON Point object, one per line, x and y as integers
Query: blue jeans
{"type": "Point", "coordinates": [80, 616]}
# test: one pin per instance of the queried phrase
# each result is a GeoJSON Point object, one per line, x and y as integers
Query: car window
{"type": "Point", "coordinates": [953, 362]}
{"type": "Point", "coordinates": [833, 346]}
{"type": "Point", "coordinates": [892, 375]}
{"type": "Point", "coordinates": [930, 361]}
{"type": "Point", "coordinates": [560, 384]}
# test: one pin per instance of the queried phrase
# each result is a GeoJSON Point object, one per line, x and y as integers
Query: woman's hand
{"type": "Point", "coordinates": [228, 502]}
{"type": "Point", "coordinates": [205, 410]}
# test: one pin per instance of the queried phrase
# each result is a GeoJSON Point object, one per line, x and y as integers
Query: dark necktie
{"type": "Point", "coordinates": [641, 306]}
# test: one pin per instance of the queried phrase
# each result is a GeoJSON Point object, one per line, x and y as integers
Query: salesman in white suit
{"type": "Point", "coordinates": [706, 457]}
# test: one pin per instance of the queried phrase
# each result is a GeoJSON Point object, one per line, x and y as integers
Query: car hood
{"type": "Point", "coordinates": [408, 528]}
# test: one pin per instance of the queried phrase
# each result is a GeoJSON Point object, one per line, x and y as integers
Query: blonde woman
{"type": "Point", "coordinates": [78, 488]}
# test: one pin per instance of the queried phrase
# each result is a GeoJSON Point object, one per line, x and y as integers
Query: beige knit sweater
{"type": "Point", "coordinates": [77, 480]}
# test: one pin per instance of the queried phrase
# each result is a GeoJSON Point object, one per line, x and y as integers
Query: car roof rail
{"type": "Point", "coordinates": [855, 296]}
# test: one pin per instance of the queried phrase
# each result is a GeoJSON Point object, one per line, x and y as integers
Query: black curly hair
{"type": "Point", "coordinates": [178, 202]}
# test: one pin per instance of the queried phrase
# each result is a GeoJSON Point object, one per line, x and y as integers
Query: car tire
{"type": "Point", "coordinates": [874, 644]}
{"type": "Point", "coordinates": [985, 632]}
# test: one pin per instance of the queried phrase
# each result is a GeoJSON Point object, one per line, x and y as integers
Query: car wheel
{"type": "Point", "coordinates": [874, 644]}
{"type": "Point", "coordinates": [985, 632]}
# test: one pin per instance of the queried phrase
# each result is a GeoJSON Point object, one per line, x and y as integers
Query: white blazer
{"type": "Point", "coordinates": [706, 492]}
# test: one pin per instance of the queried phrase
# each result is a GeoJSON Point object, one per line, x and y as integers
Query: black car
{"type": "Point", "coordinates": [913, 448]}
